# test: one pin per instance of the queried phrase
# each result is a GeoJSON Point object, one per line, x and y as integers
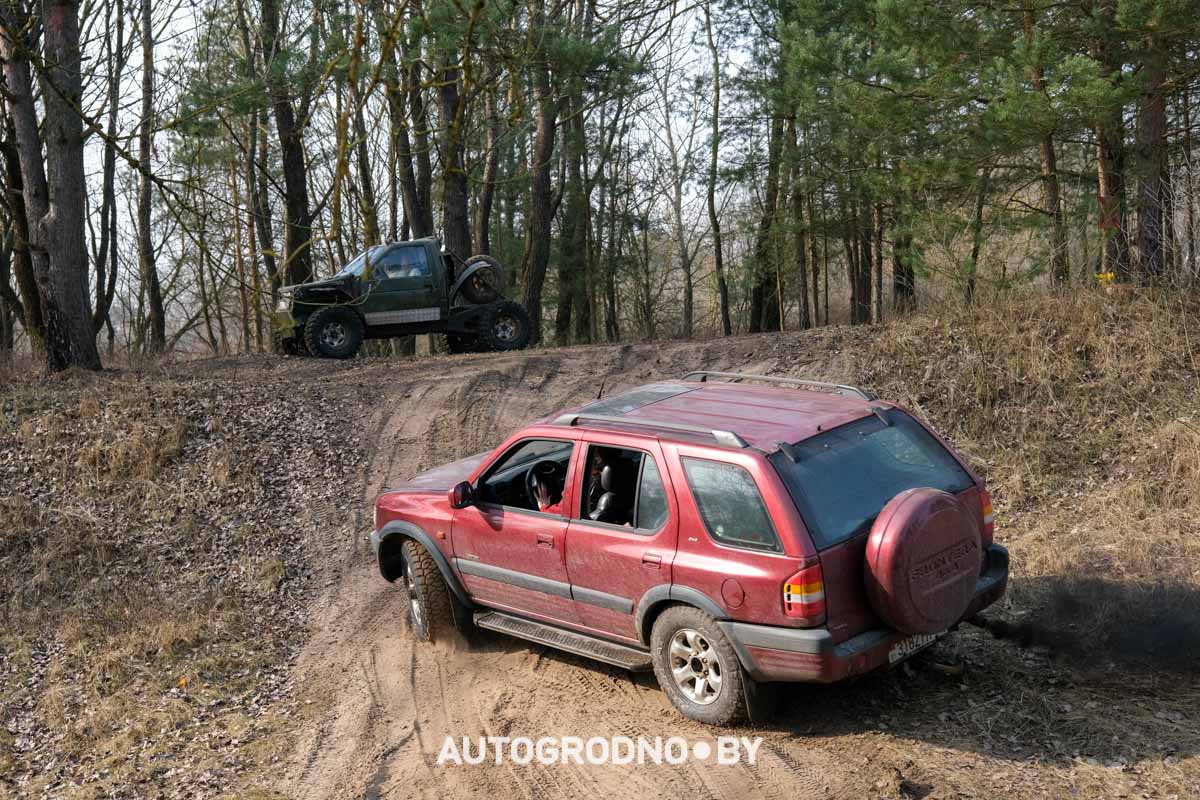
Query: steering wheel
{"type": "Point", "coordinates": [545, 472]}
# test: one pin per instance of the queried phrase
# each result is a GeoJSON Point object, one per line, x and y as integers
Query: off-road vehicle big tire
{"type": "Point", "coordinates": [333, 332]}
{"type": "Point", "coordinates": [487, 284]}
{"type": "Point", "coordinates": [697, 668]}
{"type": "Point", "coordinates": [433, 610]}
{"type": "Point", "coordinates": [504, 326]}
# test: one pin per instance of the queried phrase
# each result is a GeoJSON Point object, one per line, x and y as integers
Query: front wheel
{"type": "Point", "coordinates": [433, 610]}
{"type": "Point", "coordinates": [505, 326]}
{"type": "Point", "coordinates": [333, 332]}
{"type": "Point", "coordinates": [697, 668]}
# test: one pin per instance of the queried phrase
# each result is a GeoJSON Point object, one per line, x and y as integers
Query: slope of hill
{"type": "Point", "coordinates": [190, 609]}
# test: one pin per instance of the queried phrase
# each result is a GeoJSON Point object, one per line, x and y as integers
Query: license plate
{"type": "Point", "coordinates": [906, 647]}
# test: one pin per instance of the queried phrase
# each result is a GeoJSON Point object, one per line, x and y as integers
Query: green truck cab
{"type": "Point", "coordinates": [399, 289]}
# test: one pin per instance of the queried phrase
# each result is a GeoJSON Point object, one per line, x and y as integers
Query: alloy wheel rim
{"type": "Point", "coordinates": [695, 666]}
{"type": "Point", "coordinates": [506, 328]}
{"type": "Point", "coordinates": [333, 334]}
{"type": "Point", "coordinates": [414, 604]}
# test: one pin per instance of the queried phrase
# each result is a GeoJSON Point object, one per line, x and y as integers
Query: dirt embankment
{"type": "Point", "coordinates": [1083, 422]}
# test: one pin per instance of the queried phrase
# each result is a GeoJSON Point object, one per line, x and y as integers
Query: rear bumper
{"type": "Point", "coordinates": [771, 653]}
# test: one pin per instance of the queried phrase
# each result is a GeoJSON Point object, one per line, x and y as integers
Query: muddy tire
{"type": "Point", "coordinates": [487, 284]}
{"type": "Point", "coordinates": [333, 332]}
{"type": "Point", "coordinates": [697, 668]}
{"type": "Point", "coordinates": [504, 326]}
{"type": "Point", "coordinates": [433, 610]}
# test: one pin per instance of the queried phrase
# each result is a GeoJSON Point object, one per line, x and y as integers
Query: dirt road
{"type": "Point", "coordinates": [378, 708]}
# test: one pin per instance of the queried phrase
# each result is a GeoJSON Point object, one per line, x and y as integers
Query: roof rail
{"type": "Point", "coordinates": [736, 377]}
{"type": "Point", "coordinates": [724, 438]}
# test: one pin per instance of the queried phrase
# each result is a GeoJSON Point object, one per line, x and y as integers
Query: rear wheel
{"type": "Point", "coordinates": [697, 668]}
{"type": "Point", "coordinates": [504, 326]}
{"type": "Point", "coordinates": [333, 332]}
{"type": "Point", "coordinates": [433, 610]}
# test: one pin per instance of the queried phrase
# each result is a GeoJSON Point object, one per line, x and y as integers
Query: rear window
{"type": "Point", "coordinates": [841, 479]}
{"type": "Point", "coordinates": [730, 505]}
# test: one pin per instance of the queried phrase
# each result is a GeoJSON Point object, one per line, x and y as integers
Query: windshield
{"type": "Point", "coordinates": [355, 267]}
{"type": "Point", "coordinates": [841, 480]}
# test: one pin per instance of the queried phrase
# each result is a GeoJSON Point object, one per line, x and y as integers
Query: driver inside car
{"type": "Point", "coordinates": [550, 502]}
{"type": "Point", "coordinates": [546, 501]}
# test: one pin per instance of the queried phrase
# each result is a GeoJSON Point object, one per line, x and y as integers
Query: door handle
{"type": "Point", "coordinates": [651, 560]}
{"type": "Point", "coordinates": [545, 540]}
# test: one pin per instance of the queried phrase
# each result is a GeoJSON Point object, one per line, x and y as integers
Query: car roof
{"type": "Point", "coordinates": [760, 416]}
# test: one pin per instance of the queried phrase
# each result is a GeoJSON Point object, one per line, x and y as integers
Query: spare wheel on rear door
{"type": "Point", "coordinates": [922, 561]}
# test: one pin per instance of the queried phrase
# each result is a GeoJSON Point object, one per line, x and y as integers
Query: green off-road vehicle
{"type": "Point", "coordinates": [400, 289]}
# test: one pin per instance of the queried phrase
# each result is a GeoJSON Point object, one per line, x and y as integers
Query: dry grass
{"type": "Point", "coordinates": [1083, 412]}
{"type": "Point", "coordinates": [153, 533]}
{"type": "Point", "coordinates": [143, 621]}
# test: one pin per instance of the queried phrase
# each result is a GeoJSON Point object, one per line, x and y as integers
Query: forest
{"type": "Point", "coordinates": [644, 170]}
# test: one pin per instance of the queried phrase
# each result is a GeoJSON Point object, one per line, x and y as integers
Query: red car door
{"type": "Point", "coordinates": [510, 555]}
{"type": "Point", "coordinates": [621, 546]}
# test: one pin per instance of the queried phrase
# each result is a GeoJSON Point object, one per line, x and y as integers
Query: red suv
{"type": "Point", "coordinates": [719, 529]}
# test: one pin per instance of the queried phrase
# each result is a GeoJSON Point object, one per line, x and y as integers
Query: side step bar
{"type": "Point", "coordinates": [561, 639]}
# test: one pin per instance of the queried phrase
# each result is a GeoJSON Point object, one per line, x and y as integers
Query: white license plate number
{"type": "Point", "coordinates": [906, 647]}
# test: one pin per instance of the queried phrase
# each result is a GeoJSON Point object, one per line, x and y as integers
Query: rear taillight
{"type": "Point", "coordinates": [804, 596]}
{"type": "Point", "coordinates": [989, 517]}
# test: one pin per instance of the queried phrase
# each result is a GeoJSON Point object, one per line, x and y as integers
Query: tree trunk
{"type": "Point", "coordinates": [54, 190]}
{"type": "Point", "coordinates": [298, 221]}
{"type": "Point", "coordinates": [1110, 151]}
{"type": "Point", "coordinates": [714, 220]}
{"type": "Point", "coordinates": [977, 233]}
{"type": "Point", "coordinates": [1152, 168]}
{"type": "Point", "coordinates": [877, 218]}
{"type": "Point", "coordinates": [421, 217]}
{"type": "Point", "coordinates": [541, 202]}
{"type": "Point", "coordinates": [370, 211]}
{"type": "Point", "coordinates": [1189, 193]}
{"type": "Point", "coordinates": [487, 192]}
{"type": "Point", "coordinates": [760, 311]}
{"type": "Point", "coordinates": [862, 295]}
{"type": "Point", "coordinates": [146, 266]}
{"type": "Point", "coordinates": [456, 221]}
{"type": "Point", "coordinates": [106, 268]}
{"type": "Point", "coordinates": [800, 230]}
{"type": "Point", "coordinates": [903, 277]}
{"type": "Point", "coordinates": [251, 238]}
{"type": "Point", "coordinates": [401, 142]}
{"type": "Point", "coordinates": [240, 262]}
{"type": "Point", "coordinates": [22, 261]}
{"type": "Point", "coordinates": [1059, 266]}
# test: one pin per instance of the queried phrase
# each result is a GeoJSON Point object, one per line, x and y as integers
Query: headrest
{"type": "Point", "coordinates": [608, 478]}
{"type": "Point", "coordinates": [604, 507]}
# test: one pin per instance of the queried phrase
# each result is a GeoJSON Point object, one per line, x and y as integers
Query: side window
{"type": "Point", "coordinates": [730, 505]}
{"type": "Point", "coordinates": [623, 487]}
{"type": "Point", "coordinates": [508, 482]}
{"type": "Point", "coordinates": [652, 497]}
{"type": "Point", "coordinates": [405, 262]}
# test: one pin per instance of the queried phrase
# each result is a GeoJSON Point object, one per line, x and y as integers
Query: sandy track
{"type": "Point", "coordinates": [384, 706]}
{"type": "Point", "coordinates": [380, 708]}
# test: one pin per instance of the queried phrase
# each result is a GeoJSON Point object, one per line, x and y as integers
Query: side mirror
{"type": "Point", "coordinates": [462, 495]}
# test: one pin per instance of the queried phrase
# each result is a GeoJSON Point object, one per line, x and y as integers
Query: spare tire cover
{"type": "Point", "coordinates": [922, 561]}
